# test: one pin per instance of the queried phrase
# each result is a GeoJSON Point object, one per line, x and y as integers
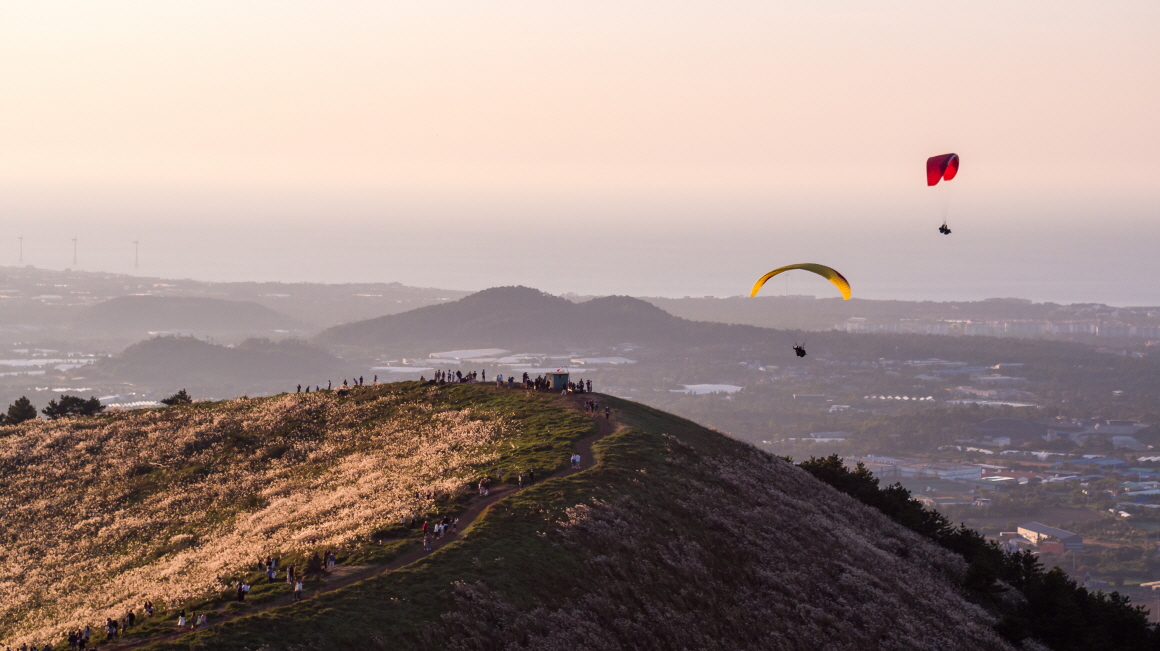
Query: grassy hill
{"type": "Point", "coordinates": [679, 537]}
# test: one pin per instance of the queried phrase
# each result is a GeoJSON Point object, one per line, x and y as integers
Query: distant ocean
{"type": "Point", "coordinates": [1074, 262]}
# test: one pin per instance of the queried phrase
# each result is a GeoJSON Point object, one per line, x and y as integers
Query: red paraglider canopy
{"type": "Point", "coordinates": [941, 168]}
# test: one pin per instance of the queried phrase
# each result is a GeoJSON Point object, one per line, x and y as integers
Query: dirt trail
{"type": "Point", "coordinates": [345, 575]}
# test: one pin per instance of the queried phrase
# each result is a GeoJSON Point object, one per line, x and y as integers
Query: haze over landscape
{"type": "Point", "coordinates": [419, 326]}
{"type": "Point", "coordinates": [477, 146]}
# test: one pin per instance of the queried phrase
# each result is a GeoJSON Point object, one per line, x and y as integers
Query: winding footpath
{"type": "Point", "coordinates": [345, 575]}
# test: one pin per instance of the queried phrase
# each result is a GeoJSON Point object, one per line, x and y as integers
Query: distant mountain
{"type": "Point", "coordinates": [186, 361]}
{"type": "Point", "coordinates": [137, 315]}
{"type": "Point", "coordinates": [521, 317]}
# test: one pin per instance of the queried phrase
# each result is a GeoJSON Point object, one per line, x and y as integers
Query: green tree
{"type": "Point", "coordinates": [72, 406]}
{"type": "Point", "coordinates": [19, 411]}
{"type": "Point", "coordinates": [179, 398]}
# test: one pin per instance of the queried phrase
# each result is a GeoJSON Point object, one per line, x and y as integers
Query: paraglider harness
{"type": "Point", "coordinates": [799, 350]}
{"type": "Point", "coordinates": [944, 229]}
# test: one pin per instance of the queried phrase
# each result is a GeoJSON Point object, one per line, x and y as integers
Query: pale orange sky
{"type": "Point", "coordinates": [749, 98]}
{"type": "Point", "coordinates": [114, 113]}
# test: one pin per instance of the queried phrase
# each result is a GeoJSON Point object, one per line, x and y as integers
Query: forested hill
{"type": "Point", "coordinates": [677, 537]}
{"type": "Point", "coordinates": [521, 318]}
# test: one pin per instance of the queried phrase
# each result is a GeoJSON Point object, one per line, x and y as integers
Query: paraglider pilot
{"type": "Point", "coordinates": [799, 350]}
{"type": "Point", "coordinates": [944, 229]}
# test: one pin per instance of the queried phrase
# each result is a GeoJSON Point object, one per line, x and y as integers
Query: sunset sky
{"type": "Point", "coordinates": [482, 122]}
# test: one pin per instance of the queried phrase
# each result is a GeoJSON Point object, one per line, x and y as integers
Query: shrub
{"type": "Point", "coordinates": [18, 412]}
{"type": "Point", "coordinates": [72, 406]}
{"type": "Point", "coordinates": [179, 398]}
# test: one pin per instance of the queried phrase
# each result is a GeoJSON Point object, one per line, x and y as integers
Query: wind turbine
{"type": "Point", "coordinates": [74, 250]}
{"type": "Point", "coordinates": [136, 252]}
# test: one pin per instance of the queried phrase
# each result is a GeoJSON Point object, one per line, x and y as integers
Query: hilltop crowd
{"type": "Point", "coordinates": [539, 383]}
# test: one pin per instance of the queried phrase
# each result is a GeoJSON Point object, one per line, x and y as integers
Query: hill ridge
{"type": "Point", "coordinates": [677, 537]}
{"type": "Point", "coordinates": [476, 508]}
{"type": "Point", "coordinates": [519, 317]}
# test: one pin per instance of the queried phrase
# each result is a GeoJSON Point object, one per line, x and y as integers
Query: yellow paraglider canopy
{"type": "Point", "coordinates": [822, 270]}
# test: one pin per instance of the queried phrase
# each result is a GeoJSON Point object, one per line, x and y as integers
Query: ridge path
{"type": "Point", "coordinates": [344, 575]}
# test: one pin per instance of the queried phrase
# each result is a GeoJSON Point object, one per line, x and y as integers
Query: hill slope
{"type": "Point", "coordinates": [136, 315]}
{"type": "Point", "coordinates": [678, 538]}
{"type": "Point", "coordinates": [186, 361]}
{"type": "Point", "coordinates": [520, 317]}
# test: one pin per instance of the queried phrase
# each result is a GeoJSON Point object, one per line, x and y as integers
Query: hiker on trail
{"type": "Point", "coordinates": [193, 620]}
{"type": "Point", "coordinates": [376, 379]}
{"type": "Point", "coordinates": [130, 618]}
{"type": "Point", "coordinates": [290, 574]}
{"type": "Point", "coordinates": [328, 385]}
{"type": "Point", "coordinates": [181, 620]}
{"type": "Point", "coordinates": [297, 591]}
{"type": "Point", "coordinates": [204, 621]}
{"type": "Point", "coordinates": [483, 375]}
{"type": "Point", "coordinates": [532, 476]}
{"type": "Point", "coordinates": [272, 574]}
{"type": "Point", "coordinates": [424, 527]}
{"type": "Point", "coordinates": [589, 386]}
{"type": "Point", "coordinates": [331, 560]}
{"type": "Point", "coordinates": [314, 566]}
{"type": "Point", "coordinates": [426, 542]}
{"type": "Point", "coordinates": [455, 525]}
{"type": "Point", "coordinates": [360, 380]}
{"type": "Point", "coordinates": [521, 480]}
{"type": "Point", "coordinates": [299, 388]}
{"type": "Point", "coordinates": [607, 413]}
{"type": "Point", "coordinates": [511, 382]}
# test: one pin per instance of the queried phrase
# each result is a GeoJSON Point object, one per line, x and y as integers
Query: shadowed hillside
{"type": "Point", "coordinates": [677, 538]}
{"type": "Point", "coordinates": [136, 315]}
{"type": "Point", "coordinates": [189, 361]}
{"type": "Point", "coordinates": [520, 318]}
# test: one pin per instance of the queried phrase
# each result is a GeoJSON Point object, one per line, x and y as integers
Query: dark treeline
{"type": "Point", "coordinates": [1055, 610]}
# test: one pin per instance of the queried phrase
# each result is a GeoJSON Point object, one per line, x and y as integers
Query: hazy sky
{"type": "Point", "coordinates": [632, 147]}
